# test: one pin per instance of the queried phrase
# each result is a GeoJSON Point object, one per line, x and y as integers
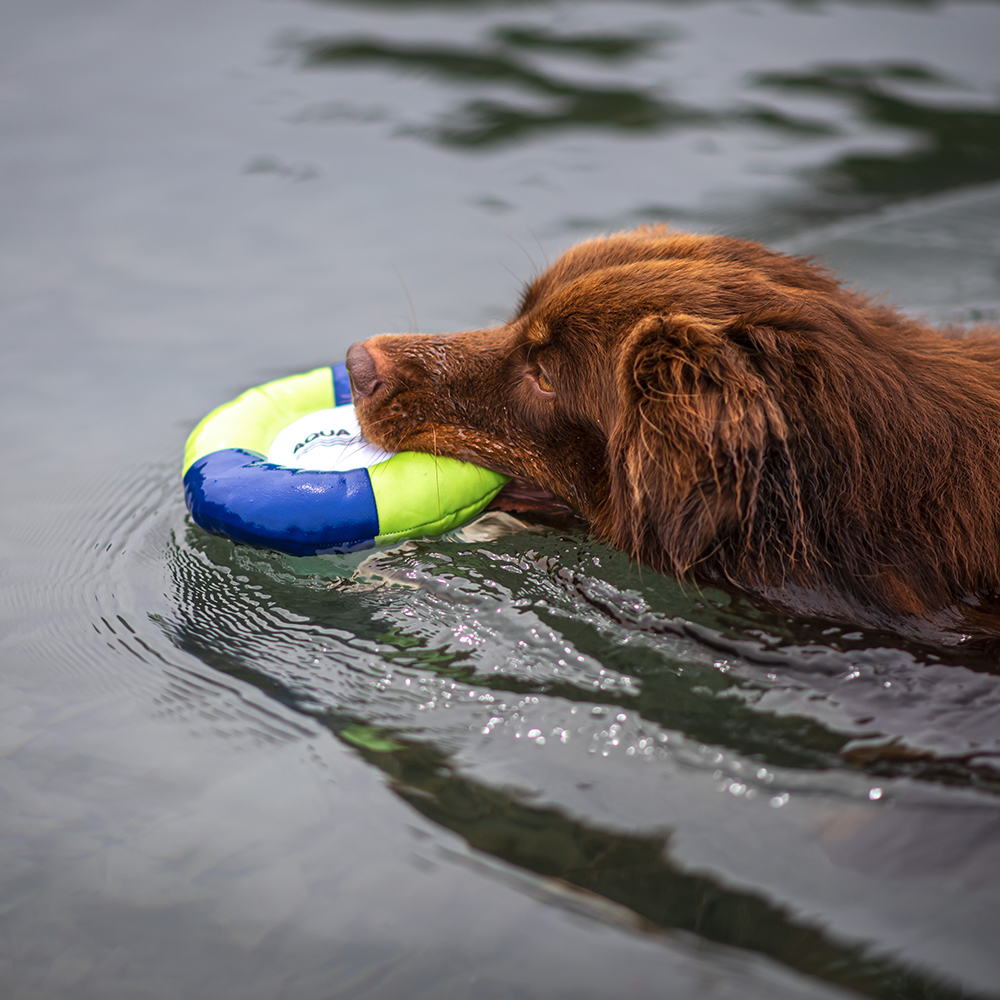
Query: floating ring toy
{"type": "Point", "coordinates": [284, 466]}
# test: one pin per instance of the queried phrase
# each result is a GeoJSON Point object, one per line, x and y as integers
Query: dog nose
{"type": "Point", "coordinates": [362, 369]}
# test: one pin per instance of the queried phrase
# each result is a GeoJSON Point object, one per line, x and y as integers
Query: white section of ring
{"type": "Point", "coordinates": [326, 441]}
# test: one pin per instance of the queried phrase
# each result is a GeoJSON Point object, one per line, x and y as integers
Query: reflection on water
{"type": "Point", "coordinates": [487, 122]}
{"type": "Point", "coordinates": [954, 145]}
{"type": "Point", "coordinates": [607, 46]}
{"type": "Point", "coordinates": [437, 654]}
{"type": "Point", "coordinates": [954, 140]}
{"type": "Point", "coordinates": [638, 873]}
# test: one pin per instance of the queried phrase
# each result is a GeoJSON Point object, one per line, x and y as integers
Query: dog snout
{"type": "Point", "coordinates": [361, 366]}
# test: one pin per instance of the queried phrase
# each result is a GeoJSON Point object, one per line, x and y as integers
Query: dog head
{"type": "Point", "coordinates": [631, 383]}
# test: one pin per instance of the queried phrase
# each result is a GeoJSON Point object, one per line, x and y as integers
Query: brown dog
{"type": "Point", "coordinates": [726, 413]}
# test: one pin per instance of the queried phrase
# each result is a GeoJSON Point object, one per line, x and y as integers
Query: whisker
{"type": "Point", "coordinates": [413, 311]}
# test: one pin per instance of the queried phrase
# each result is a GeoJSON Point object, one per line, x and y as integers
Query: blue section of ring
{"type": "Point", "coordinates": [341, 385]}
{"type": "Point", "coordinates": [237, 493]}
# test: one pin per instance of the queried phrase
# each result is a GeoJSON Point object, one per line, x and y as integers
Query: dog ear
{"type": "Point", "coordinates": [696, 424]}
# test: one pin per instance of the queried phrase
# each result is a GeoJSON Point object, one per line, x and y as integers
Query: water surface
{"type": "Point", "coordinates": [503, 763]}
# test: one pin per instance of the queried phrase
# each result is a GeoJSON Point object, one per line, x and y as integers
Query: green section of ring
{"type": "Point", "coordinates": [417, 494]}
{"type": "Point", "coordinates": [252, 421]}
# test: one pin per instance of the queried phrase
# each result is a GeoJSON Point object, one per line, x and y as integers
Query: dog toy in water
{"type": "Point", "coordinates": [284, 466]}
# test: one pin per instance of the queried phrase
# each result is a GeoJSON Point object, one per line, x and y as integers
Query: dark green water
{"type": "Point", "coordinates": [503, 763]}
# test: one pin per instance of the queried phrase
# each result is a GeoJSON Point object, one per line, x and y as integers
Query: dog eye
{"type": "Point", "coordinates": [543, 382]}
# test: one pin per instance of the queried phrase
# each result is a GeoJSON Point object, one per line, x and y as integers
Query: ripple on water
{"type": "Point", "coordinates": [95, 561]}
{"type": "Point", "coordinates": [534, 689]}
{"type": "Point", "coordinates": [534, 640]}
{"type": "Point", "coordinates": [536, 694]}
{"type": "Point", "coordinates": [102, 605]}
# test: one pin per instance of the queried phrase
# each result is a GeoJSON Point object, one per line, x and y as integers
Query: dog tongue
{"type": "Point", "coordinates": [521, 495]}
